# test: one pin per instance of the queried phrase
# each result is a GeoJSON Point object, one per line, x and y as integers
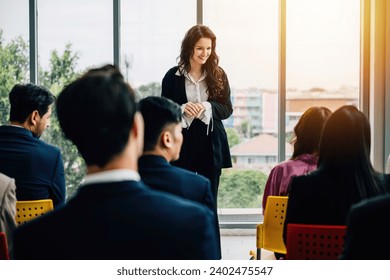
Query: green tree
{"type": "Point", "coordinates": [13, 70]}
{"type": "Point", "coordinates": [246, 129]}
{"type": "Point", "coordinates": [233, 137]}
{"type": "Point", "coordinates": [62, 70]}
{"type": "Point", "coordinates": [241, 188]}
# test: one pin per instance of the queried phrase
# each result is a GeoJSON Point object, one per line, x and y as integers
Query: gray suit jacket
{"type": "Point", "coordinates": [7, 207]}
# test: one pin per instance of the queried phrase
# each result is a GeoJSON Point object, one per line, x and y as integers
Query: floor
{"type": "Point", "coordinates": [237, 243]}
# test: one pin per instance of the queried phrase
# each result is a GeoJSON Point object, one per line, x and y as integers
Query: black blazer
{"type": "Point", "coordinates": [119, 220]}
{"type": "Point", "coordinates": [173, 87]}
{"type": "Point", "coordinates": [159, 174]}
{"type": "Point", "coordinates": [367, 230]}
{"type": "Point", "coordinates": [35, 165]}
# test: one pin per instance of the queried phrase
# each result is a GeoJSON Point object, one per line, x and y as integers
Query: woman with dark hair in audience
{"type": "Point", "coordinates": [306, 141]}
{"type": "Point", "coordinates": [344, 176]}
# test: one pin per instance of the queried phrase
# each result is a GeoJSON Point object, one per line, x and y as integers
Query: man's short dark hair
{"type": "Point", "coordinates": [26, 98]}
{"type": "Point", "coordinates": [157, 113]}
{"type": "Point", "coordinates": [96, 112]}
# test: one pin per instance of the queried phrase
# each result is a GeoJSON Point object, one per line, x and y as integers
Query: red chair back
{"type": "Point", "coordinates": [3, 247]}
{"type": "Point", "coordinates": [314, 242]}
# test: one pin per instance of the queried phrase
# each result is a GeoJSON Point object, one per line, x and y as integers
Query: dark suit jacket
{"type": "Point", "coordinates": [173, 87]}
{"type": "Point", "coordinates": [316, 198]}
{"type": "Point", "coordinates": [119, 220]}
{"type": "Point", "coordinates": [159, 174]}
{"type": "Point", "coordinates": [36, 166]}
{"type": "Point", "coordinates": [367, 230]}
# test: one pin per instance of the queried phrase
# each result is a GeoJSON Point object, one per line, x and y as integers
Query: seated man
{"type": "Point", "coordinates": [7, 207]}
{"type": "Point", "coordinates": [162, 142]}
{"type": "Point", "coordinates": [36, 166]}
{"type": "Point", "coordinates": [113, 215]}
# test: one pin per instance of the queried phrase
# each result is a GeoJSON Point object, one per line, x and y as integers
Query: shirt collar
{"type": "Point", "coordinates": [182, 72]}
{"type": "Point", "coordinates": [116, 175]}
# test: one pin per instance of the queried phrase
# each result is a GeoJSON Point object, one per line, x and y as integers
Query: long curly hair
{"type": "Point", "coordinates": [215, 76]}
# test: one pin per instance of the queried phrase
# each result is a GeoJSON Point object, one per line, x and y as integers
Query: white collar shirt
{"type": "Point", "coordinates": [117, 175]}
{"type": "Point", "coordinates": [196, 92]}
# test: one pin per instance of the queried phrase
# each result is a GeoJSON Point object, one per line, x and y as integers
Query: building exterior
{"type": "Point", "coordinates": [255, 118]}
{"type": "Point", "coordinates": [259, 152]}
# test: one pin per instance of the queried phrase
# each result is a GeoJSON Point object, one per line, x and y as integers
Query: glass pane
{"type": "Point", "coordinates": [247, 44]}
{"type": "Point", "coordinates": [14, 19]}
{"type": "Point", "coordinates": [86, 26]}
{"type": "Point", "coordinates": [152, 31]}
{"type": "Point", "coordinates": [72, 36]}
{"type": "Point", "coordinates": [323, 45]}
{"type": "Point", "coordinates": [14, 53]}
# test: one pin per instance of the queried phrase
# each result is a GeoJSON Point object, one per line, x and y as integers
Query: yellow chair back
{"type": "Point", "coordinates": [269, 234]}
{"type": "Point", "coordinates": [27, 210]}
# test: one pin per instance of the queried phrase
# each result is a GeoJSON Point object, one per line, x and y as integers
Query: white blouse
{"type": "Point", "coordinates": [196, 93]}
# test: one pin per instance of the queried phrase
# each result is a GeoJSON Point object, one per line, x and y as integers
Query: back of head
{"type": "Point", "coordinates": [26, 98]}
{"type": "Point", "coordinates": [96, 112]}
{"type": "Point", "coordinates": [345, 152]}
{"type": "Point", "coordinates": [346, 137]}
{"type": "Point", "coordinates": [308, 131]}
{"type": "Point", "coordinates": [157, 112]}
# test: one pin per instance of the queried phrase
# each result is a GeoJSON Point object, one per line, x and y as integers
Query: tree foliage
{"type": "Point", "coordinates": [13, 70]}
{"type": "Point", "coordinates": [62, 70]}
{"type": "Point", "coordinates": [241, 188]}
{"type": "Point", "coordinates": [246, 129]}
{"type": "Point", "coordinates": [233, 137]}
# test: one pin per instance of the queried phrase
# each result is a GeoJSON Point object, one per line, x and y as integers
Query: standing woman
{"type": "Point", "coordinates": [202, 89]}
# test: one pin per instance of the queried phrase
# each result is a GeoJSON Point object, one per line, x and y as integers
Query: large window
{"type": "Point", "coordinates": [322, 55]}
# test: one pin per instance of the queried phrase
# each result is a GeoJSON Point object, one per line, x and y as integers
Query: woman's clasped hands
{"type": "Point", "coordinates": [193, 110]}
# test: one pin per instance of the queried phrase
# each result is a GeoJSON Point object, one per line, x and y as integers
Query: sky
{"type": "Point", "coordinates": [322, 37]}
